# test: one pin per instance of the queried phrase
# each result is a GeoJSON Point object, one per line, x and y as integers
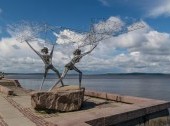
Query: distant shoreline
{"type": "Point", "coordinates": [90, 74]}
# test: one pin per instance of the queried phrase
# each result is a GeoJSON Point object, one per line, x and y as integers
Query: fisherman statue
{"type": "Point", "coordinates": [71, 65]}
{"type": "Point", "coordinates": [47, 59]}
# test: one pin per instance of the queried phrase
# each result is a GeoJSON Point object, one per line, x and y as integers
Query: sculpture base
{"type": "Point", "coordinates": [64, 99]}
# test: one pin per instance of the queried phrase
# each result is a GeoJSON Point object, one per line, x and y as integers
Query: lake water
{"type": "Point", "coordinates": [149, 86]}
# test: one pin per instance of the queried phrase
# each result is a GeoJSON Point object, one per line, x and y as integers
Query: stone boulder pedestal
{"type": "Point", "coordinates": [64, 99]}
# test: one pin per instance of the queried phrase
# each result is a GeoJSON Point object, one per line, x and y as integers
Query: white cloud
{"type": "Point", "coordinates": [67, 36]}
{"type": "Point", "coordinates": [151, 8]}
{"type": "Point", "coordinates": [104, 2]}
{"type": "Point", "coordinates": [147, 51]}
{"type": "Point", "coordinates": [16, 55]}
{"type": "Point", "coordinates": [143, 50]}
{"type": "Point", "coordinates": [112, 24]}
{"type": "Point", "coordinates": [163, 8]}
{"type": "Point", "coordinates": [99, 31]}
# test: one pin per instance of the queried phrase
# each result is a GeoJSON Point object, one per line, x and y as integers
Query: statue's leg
{"type": "Point", "coordinates": [61, 78]}
{"type": "Point", "coordinates": [80, 75]}
{"type": "Point", "coordinates": [45, 74]}
{"type": "Point", "coordinates": [56, 71]}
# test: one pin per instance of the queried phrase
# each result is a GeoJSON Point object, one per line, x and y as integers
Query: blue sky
{"type": "Point", "coordinates": [77, 14]}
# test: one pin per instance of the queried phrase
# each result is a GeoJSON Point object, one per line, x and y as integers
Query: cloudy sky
{"type": "Point", "coordinates": [144, 50]}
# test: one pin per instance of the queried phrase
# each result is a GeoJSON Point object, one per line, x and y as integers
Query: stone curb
{"type": "Point", "coordinates": [2, 122]}
{"type": "Point", "coordinates": [6, 90]}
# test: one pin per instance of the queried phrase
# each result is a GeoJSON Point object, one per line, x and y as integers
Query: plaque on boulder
{"type": "Point", "coordinates": [64, 99]}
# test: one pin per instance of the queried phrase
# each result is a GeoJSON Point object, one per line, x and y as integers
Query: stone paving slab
{"type": "Point", "coordinates": [2, 122]}
{"type": "Point", "coordinates": [19, 121]}
{"type": "Point", "coordinates": [24, 101]}
{"type": "Point", "coordinates": [11, 115]}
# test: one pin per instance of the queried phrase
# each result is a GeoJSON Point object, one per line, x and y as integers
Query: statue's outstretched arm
{"type": "Point", "coordinates": [33, 49]}
{"type": "Point", "coordinates": [52, 50]}
{"type": "Point", "coordinates": [89, 51]}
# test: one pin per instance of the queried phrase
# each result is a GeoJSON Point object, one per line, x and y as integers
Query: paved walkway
{"type": "Point", "coordinates": [10, 116]}
{"type": "Point", "coordinates": [17, 111]}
